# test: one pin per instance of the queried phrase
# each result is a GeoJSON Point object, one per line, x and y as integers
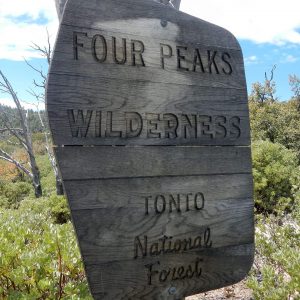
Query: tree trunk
{"type": "Point", "coordinates": [59, 186]}
{"type": "Point", "coordinates": [36, 177]}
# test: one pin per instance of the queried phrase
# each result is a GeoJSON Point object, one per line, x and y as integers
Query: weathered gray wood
{"type": "Point", "coordinates": [60, 4]}
{"type": "Point", "coordinates": [87, 194]}
{"type": "Point", "coordinates": [212, 260]}
{"type": "Point", "coordinates": [127, 162]}
{"type": "Point", "coordinates": [153, 143]}
{"type": "Point", "coordinates": [225, 219]}
{"type": "Point", "coordinates": [176, 4]}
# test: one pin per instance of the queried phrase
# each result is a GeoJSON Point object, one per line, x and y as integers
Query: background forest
{"type": "Point", "coordinates": [39, 257]}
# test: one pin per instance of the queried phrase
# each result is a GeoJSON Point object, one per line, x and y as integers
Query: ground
{"type": "Point", "coordinates": [235, 292]}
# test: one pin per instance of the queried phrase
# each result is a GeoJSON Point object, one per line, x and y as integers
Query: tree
{"type": "Point", "coordinates": [275, 171]}
{"type": "Point", "coordinates": [265, 92]}
{"type": "Point", "coordinates": [295, 87]}
{"type": "Point", "coordinates": [22, 135]}
{"type": "Point", "coordinates": [273, 120]}
{"type": "Point", "coordinates": [38, 92]}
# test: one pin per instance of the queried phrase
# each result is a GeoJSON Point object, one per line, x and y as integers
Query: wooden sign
{"type": "Point", "coordinates": [148, 112]}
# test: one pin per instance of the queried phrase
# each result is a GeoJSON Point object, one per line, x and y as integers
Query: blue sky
{"type": "Point", "coordinates": [268, 31]}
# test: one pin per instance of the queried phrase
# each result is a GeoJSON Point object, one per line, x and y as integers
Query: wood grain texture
{"type": "Point", "coordinates": [87, 194]}
{"type": "Point", "coordinates": [109, 214]}
{"type": "Point", "coordinates": [109, 234]}
{"type": "Point", "coordinates": [126, 162]}
{"type": "Point", "coordinates": [61, 3]}
{"type": "Point", "coordinates": [148, 111]}
{"type": "Point", "coordinates": [215, 268]}
{"type": "Point", "coordinates": [213, 87]}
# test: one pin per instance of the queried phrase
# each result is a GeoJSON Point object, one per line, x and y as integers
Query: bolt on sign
{"type": "Point", "coordinates": [148, 112]}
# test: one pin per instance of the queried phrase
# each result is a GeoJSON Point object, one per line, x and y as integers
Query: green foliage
{"type": "Point", "coordinates": [276, 177]}
{"type": "Point", "coordinates": [278, 122]}
{"type": "Point", "coordinates": [38, 259]}
{"type": "Point", "coordinates": [47, 175]}
{"type": "Point", "coordinates": [295, 87]}
{"type": "Point", "coordinates": [14, 120]}
{"type": "Point", "coordinates": [60, 211]}
{"type": "Point", "coordinates": [11, 194]}
{"type": "Point", "coordinates": [276, 274]}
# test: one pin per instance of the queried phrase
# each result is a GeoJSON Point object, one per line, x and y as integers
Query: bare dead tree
{"type": "Point", "coordinates": [23, 136]}
{"type": "Point", "coordinates": [262, 92]}
{"type": "Point", "coordinates": [38, 92]}
{"type": "Point", "coordinates": [270, 85]}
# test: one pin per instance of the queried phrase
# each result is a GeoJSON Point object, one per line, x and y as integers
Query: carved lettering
{"type": "Point", "coordinates": [235, 129]}
{"type": "Point", "coordinates": [160, 204]}
{"type": "Point", "coordinates": [199, 198]}
{"type": "Point", "coordinates": [99, 57]}
{"type": "Point", "coordinates": [198, 61]}
{"type": "Point", "coordinates": [220, 127]}
{"type": "Point", "coordinates": [181, 57]}
{"type": "Point", "coordinates": [123, 49]}
{"type": "Point", "coordinates": [171, 125]}
{"type": "Point", "coordinates": [80, 124]}
{"type": "Point", "coordinates": [206, 126]}
{"type": "Point", "coordinates": [225, 58]}
{"type": "Point", "coordinates": [173, 273]}
{"type": "Point", "coordinates": [76, 44]}
{"type": "Point", "coordinates": [174, 201]}
{"type": "Point", "coordinates": [169, 203]}
{"type": "Point", "coordinates": [133, 125]}
{"type": "Point", "coordinates": [114, 49]}
{"type": "Point", "coordinates": [139, 246]}
{"type": "Point", "coordinates": [153, 122]}
{"type": "Point", "coordinates": [211, 61]}
{"type": "Point", "coordinates": [98, 126]}
{"type": "Point", "coordinates": [144, 248]}
{"type": "Point", "coordinates": [137, 52]}
{"type": "Point", "coordinates": [166, 51]}
{"type": "Point", "coordinates": [109, 126]}
{"type": "Point", "coordinates": [189, 126]}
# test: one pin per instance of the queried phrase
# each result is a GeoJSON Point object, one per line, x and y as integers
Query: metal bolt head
{"type": "Point", "coordinates": [172, 290]}
{"type": "Point", "coordinates": [164, 23]}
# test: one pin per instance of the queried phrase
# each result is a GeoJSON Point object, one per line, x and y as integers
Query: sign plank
{"type": "Point", "coordinates": [149, 116]}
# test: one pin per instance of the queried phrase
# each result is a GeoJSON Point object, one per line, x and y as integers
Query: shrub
{"type": "Point", "coordinates": [276, 273]}
{"type": "Point", "coordinates": [60, 211]}
{"type": "Point", "coordinates": [38, 259]}
{"type": "Point", "coordinates": [11, 194]}
{"type": "Point", "coordinates": [278, 122]}
{"type": "Point", "coordinates": [276, 177]}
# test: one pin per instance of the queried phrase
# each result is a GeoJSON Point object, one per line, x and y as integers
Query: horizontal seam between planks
{"type": "Point", "coordinates": [188, 252]}
{"type": "Point", "coordinates": [224, 86]}
{"type": "Point", "coordinates": [154, 146]}
{"type": "Point", "coordinates": [155, 176]}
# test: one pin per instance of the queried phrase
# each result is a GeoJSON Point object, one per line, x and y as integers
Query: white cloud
{"type": "Point", "coordinates": [288, 58]}
{"type": "Point", "coordinates": [251, 60]}
{"type": "Point", "coordinates": [266, 21]}
{"type": "Point", "coordinates": [20, 26]}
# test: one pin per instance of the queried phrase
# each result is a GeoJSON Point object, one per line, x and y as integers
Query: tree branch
{"type": "Point", "coordinates": [5, 156]}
